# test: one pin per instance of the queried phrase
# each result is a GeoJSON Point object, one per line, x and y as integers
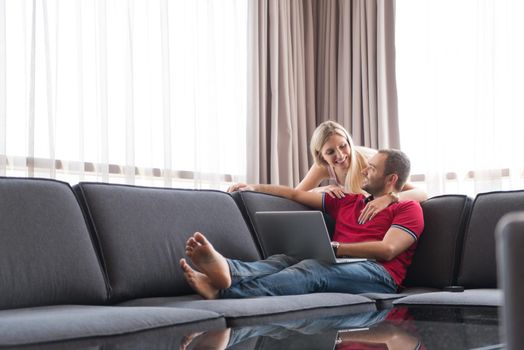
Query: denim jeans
{"type": "Point", "coordinates": [284, 275]}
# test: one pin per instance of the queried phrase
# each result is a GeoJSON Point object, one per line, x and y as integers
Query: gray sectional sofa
{"type": "Point", "coordinates": [96, 265]}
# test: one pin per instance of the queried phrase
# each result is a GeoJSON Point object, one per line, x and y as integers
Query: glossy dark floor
{"type": "Point", "coordinates": [397, 328]}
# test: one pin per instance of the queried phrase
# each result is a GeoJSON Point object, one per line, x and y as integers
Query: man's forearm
{"type": "Point", "coordinates": [311, 199]}
{"type": "Point", "coordinates": [371, 250]}
{"type": "Point", "coordinates": [277, 190]}
{"type": "Point", "coordinates": [394, 242]}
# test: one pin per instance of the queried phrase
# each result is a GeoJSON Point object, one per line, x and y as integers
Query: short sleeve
{"type": "Point", "coordinates": [409, 218]}
{"type": "Point", "coordinates": [330, 205]}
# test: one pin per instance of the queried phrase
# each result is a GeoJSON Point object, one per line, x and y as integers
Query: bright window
{"type": "Point", "coordinates": [460, 74]}
{"type": "Point", "coordinates": [144, 91]}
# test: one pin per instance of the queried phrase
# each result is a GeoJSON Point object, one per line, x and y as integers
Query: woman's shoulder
{"type": "Point", "coordinates": [322, 170]}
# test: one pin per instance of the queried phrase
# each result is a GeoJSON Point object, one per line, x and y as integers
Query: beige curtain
{"type": "Point", "coordinates": [281, 92]}
{"type": "Point", "coordinates": [314, 60]}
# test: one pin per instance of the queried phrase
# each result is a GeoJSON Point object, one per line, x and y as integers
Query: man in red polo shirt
{"type": "Point", "coordinates": [390, 237]}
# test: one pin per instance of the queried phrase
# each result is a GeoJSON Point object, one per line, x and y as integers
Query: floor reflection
{"type": "Point", "coordinates": [397, 328]}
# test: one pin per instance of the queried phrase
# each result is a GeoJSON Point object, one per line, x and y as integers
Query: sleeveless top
{"type": "Point", "coordinates": [333, 177]}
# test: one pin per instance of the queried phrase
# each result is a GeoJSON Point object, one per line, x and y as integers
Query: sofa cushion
{"type": "Point", "coordinates": [470, 297]}
{"type": "Point", "coordinates": [249, 311]}
{"type": "Point", "coordinates": [58, 323]}
{"type": "Point", "coordinates": [435, 263]}
{"type": "Point", "coordinates": [478, 265]}
{"type": "Point", "coordinates": [510, 245]}
{"type": "Point", "coordinates": [46, 253]}
{"type": "Point", "coordinates": [385, 300]}
{"type": "Point", "coordinates": [142, 232]}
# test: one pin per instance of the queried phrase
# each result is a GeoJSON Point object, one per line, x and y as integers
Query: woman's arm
{"type": "Point", "coordinates": [313, 178]}
{"type": "Point", "coordinates": [410, 192]}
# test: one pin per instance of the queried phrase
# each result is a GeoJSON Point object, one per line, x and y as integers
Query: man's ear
{"type": "Point", "coordinates": [392, 180]}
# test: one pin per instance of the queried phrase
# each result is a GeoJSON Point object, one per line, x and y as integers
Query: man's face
{"type": "Point", "coordinates": [374, 178]}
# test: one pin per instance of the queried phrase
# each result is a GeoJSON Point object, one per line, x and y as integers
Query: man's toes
{"type": "Point", "coordinates": [200, 238]}
{"type": "Point", "coordinates": [185, 266]}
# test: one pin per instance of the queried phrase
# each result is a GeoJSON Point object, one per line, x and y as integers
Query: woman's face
{"type": "Point", "coordinates": [336, 151]}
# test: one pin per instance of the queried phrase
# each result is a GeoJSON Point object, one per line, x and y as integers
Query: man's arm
{"type": "Point", "coordinates": [311, 199]}
{"type": "Point", "coordinates": [395, 242]}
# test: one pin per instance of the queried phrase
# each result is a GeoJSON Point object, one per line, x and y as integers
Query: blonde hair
{"type": "Point", "coordinates": [357, 161]}
{"type": "Point", "coordinates": [354, 177]}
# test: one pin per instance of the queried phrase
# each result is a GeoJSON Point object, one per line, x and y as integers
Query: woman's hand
{"type": "Point", "coordinates": [374, 207]}
{"type": "Point", "coordinates": [331, 190]}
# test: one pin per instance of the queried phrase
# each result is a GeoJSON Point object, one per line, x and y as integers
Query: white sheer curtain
{"type": "Point", "coordinates": [135, 91]}
{"type": "Point", "coordinates": [460, 73]}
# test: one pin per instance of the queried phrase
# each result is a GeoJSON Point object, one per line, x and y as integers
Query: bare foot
{"type": "Point", "coordinates": [198, 281]}
{"type": "Point", "coordinates": [188, 339]}
{"type": "Point", "coordinates": [215, 340]}
{"type": "Point", "coordinates": [208, 261]}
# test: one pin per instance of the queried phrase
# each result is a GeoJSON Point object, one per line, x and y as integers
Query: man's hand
{"type": "Point", "coordinates": [241, 187]}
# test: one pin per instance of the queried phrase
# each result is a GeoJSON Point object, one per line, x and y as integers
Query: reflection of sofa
{"type": "Point", "coordinates": [97, 264]}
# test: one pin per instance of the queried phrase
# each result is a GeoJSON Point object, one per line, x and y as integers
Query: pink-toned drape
{"type": "Point", "coordinates": [314, 60]}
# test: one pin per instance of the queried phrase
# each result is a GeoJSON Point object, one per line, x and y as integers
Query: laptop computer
{"type": "Point", "coordinates": [300, 234]}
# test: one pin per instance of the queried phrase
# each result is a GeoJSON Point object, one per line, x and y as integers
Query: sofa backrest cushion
{"type": "Point", "coordinates": [142, 233]}
{"type": "Point", "coordinates": [252, 202]}
{"type": "Point", "coordinates": [436, 259]}
{"type": "Point", "coordinates": [46, 253]}
{"type": "Point", "coordinates": [478, 266]}
{"type": "Point", "coordinates": [510, 244]}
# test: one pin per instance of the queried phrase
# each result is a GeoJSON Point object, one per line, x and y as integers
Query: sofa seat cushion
{"type": "Point", "coordinates": [269, 309]}
{"type": "Point", "coordinates": [46, 253]}
{"type": "Point", "coordinates": [385, 300]}
{"type": "Point", "coordinates": [470, 297]}
{"type": "Point", "coordinates": [66, 322]}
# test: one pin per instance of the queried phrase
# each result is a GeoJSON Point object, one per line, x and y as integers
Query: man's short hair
{"type": "Point", "coordinates": [397, 162]}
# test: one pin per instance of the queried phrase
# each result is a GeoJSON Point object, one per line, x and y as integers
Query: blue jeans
{"type": "Point", "coordinates": [284, 275]}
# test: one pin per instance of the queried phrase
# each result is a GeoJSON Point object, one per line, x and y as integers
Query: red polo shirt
{"type": "Point", "coordinates": [405, 215]}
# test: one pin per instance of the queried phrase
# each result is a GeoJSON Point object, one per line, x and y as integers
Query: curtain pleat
{"type": "Point", "coordinates": [388, 120]}
{"type": "Point", "coordinates": [51, 83]}
{"type": "Point", "coordinates": [102, 88]}
{"type": "Point", "coordinates": [3, 90]}
{"type": "Point", "coordinates": [31, 102]}
{"type": "Point", "coordinates": [166, 92]}
{"type": "Point", "coordinates": [129, 170]}
{"type": "Point", "coordinates": [80, 91]}
{"type": "Point", "coordinates": [344, 83]}
{"type": "Point", "coordinates": [254, 80]}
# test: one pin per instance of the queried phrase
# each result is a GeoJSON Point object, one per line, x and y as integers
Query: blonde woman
{"type": "Point", "coordinates": [340, 162]}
